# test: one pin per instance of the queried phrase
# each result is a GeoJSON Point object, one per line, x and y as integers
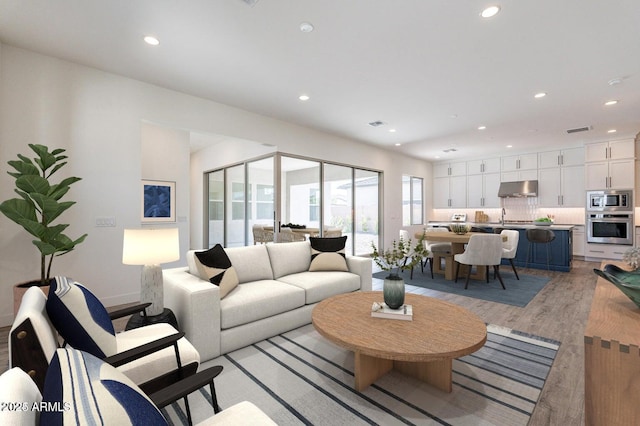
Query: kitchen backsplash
{"type": "Point", "coordinates": [517, 209]}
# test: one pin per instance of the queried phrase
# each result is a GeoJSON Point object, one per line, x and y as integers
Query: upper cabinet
{"type": "Point", "coordinates": [488, 165]}
{"type": "Point", "coordinates": [514, 163]}
{"type": "Point", "coordinates": [519, 167]}
{"type": "Point", "coordinates": [450, 169]}
{"type": "Point", "coordinates": [612, 150]}
{"type": "Point", "coordinates": [565, 157]}
{"type": "Point", "coordinates": [561, 178]}
{"type": "Point", "coordinates": [610, 165]}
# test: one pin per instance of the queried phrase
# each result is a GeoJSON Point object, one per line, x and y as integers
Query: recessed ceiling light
{"type": "Point", "coordinates": [490, 11]}
{"type": "Point", "coordinates": [614, 81]}
{"type": "Point", "coordinates": [398, 144]}
{"type": "Point", "coordinates": [392, 130]}
{"type": "Point", "coordinates": [151, 40]}
{"type": "Point", "coordinates": [509, 146]}
{"type": "Point", "coordinates": [482, 127]}
{"type": "Point", "coordinates": [612, 102]}
{"type": "Point", "coordinates": [453, 116]}
{"type": "Point", "coordinates": [540, 95]}
{"type": "Point", "coordinates": [304, 97]}
{"type": "Point", "coordinates": [437, 156]}
{"type": "Point", "coordinates": [306, 27]}
{"type": "Point", "coordinates": [611, 131]}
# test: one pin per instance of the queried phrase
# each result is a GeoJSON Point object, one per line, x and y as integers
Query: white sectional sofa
{"type": "Point", "coordinates": [276, 293]}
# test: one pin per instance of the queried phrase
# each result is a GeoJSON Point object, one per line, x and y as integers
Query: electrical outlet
{"type": "Point", "coordinates": [105, 222]}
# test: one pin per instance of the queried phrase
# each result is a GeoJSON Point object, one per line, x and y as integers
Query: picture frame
{"type": "Point", "coordinates": [158, 201]}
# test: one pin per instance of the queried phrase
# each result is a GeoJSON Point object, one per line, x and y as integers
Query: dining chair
{"type": "Point", "coordinates": [405, 237]}
{"type": "Point", "coordinates": [261, 235]}
{"type": "Point", "coordinates": [332, 232]}
{"type": "Point", "coordinates": [288, 236]}
{"type": "Point", "coordinates": [510, 247]}
{"type": "Point", "coordinates": [482, 250]}
{"type": "Point", "coordinates": [437, 250]}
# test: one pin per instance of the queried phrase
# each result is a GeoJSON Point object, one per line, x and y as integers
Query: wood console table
{"type": "Point", "coordinates": [612, 357]}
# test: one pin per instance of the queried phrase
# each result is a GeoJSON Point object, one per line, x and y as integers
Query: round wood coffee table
{"type": "Point", "coordinates": [424, 347]}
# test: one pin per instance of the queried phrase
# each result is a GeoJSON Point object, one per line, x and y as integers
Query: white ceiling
{"type": "Point", "coordinates": [431, 69]}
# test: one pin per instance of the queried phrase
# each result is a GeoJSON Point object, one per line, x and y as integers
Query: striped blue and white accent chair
{"type": "Point", "coordinates": [153, 356]}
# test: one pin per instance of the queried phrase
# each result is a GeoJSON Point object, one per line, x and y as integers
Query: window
{"type": "Point", "coordinates": [412, 203]}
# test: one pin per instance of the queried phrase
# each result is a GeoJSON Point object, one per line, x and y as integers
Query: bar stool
{"type": "Point", "coordinates": [539, 236]}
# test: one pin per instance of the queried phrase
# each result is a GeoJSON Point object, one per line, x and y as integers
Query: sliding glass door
{"type": "Point", "coordinates": [326, 198]}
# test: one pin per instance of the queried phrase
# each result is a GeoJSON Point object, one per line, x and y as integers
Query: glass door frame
{"type": "Point", "coordinates": [277, 180]}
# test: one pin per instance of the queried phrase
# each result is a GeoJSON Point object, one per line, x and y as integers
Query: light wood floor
{"type": "Point", "coordinates": [558, 312]}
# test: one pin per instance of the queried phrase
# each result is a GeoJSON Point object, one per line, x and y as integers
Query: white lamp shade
{"type": "Point", "coordinates": [150, 246]}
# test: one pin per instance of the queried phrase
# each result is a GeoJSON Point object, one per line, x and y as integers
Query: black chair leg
{"type": "Point", "coordinates": [466, 284]}
{"type": "Point", "coordinates": [186, 406]}
{"type": "Point", "coordinates": [457, 271]}
{"type": "Point", "coordinates": [431, 266]}
{"type": "Point", "coordinates": [487, 272]}
{"type": "Point", "coordinates": [214, 398]}
{"type": "Point", "coordinates": [495, 268]}
{"type": "Point", "coordinates": [514, 269]}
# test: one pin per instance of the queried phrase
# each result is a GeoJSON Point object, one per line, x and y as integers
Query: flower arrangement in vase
{"type": "Point", "coordinates": [400, 257]}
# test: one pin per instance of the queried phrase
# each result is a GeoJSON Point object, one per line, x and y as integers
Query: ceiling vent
{"type": "Point", "coordinates": [449, 150]}
{"type": "Point", "coordinates": [377, 123]}
{"type": "Point", "coordinates": [579, 129]}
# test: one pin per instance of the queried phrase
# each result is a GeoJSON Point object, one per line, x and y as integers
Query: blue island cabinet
{"type": "Point", "coordinates": [560, 252]}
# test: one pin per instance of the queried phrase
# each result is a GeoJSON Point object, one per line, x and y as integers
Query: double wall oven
{"type": "Point", "coordinates": [610, 217]}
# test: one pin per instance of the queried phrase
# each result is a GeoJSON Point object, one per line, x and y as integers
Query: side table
{"type": "Point", "coordinates": [139, 320]}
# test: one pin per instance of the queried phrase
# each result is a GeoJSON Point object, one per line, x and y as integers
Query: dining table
{"type": "Point", "coordinates": [458, 241]}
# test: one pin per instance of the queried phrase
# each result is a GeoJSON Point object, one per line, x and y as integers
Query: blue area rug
{"type": "Point", "coordinates": [518, 292]}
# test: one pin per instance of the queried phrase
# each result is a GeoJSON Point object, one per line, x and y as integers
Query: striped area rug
{"type": "Point", "coordinates": [301, 378]}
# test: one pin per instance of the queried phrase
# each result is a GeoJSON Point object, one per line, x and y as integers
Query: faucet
{"type": "Point", "coordinates": [503, 215]}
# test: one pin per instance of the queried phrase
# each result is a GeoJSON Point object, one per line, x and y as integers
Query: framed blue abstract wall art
{"type": "Point", "coordinates": [158, 201]}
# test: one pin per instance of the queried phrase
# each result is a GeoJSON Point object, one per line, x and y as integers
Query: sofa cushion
{"type": "Point", "coordinates": [320, 285]}
{"type": "Point", "coordinates": [327, 254]}
{"type": "Point", "coordinates": [289, 258]}
{"type": "Point", "coordinates": [251, 263]}
{"type": "Point", "coordinates": [256, 300]}
{"type": "Point", "coordinates": [80, 318]}
{"type": "Point", "coordinates": [90, 391]}
{"type": "Point", "coordinates": [214, 266]}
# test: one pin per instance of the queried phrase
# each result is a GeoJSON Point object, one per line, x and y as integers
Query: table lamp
{"type": "Point", "coordinates": [150, 248]}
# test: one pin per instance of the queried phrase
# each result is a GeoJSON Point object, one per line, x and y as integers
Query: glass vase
{"type": "Point", "coordinates": [393, 291]}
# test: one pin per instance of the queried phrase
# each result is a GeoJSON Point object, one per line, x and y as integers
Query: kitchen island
{"type": "Point", "coordinates": [561, 248]}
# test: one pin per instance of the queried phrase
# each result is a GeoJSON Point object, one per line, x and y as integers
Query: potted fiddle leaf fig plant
{"type": "Point", "coordinates": [39, 205]}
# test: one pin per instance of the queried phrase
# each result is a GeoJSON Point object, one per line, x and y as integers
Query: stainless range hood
{"type": "Point", "coordinates": [521, 188]}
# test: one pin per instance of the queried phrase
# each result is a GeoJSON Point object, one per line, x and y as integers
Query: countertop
{"type": "Point", "coordinates": [508, 225]}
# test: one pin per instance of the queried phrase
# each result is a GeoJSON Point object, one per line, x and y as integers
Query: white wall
{"type": "Point", "coordinates": [100, 118]}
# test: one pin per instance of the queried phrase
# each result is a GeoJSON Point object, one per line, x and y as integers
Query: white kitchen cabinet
{"type": "Point", "coordinates": [449, 169]}
{"type": "Point", "coordinates": [487, 165]}
{"type": "Point", "coordinates": [450, 192]}
{"type": "Point", "coordinates": [482, 190]}
{"type": "Point", "coordinates": [612, 150]}
{"type": "Point", "coordinates": [519, 162]}
{"type": "Point", "coordinates": [578, 240]}
{"type": "Point", "coordinates": [604, 251]}
{"type": "Point", "coordinates": [565, 157]}
{"type": "Point", "coordinates": [613, 174]}
{"type": "Point", "coordinates": [561, 187]}
{"type": "Point", "coordinates": [519, 175]}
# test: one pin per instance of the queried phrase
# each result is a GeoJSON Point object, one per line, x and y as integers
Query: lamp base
{"type": "Point", "coordinates": [151, 289]}
{"type": "Point", "coordinates": [139, 320]}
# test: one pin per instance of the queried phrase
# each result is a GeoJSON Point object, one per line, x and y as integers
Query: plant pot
{"type": "Point", "coordinates": [393, 291]}
{"type": "Point", "coordinates": [20, 289]}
